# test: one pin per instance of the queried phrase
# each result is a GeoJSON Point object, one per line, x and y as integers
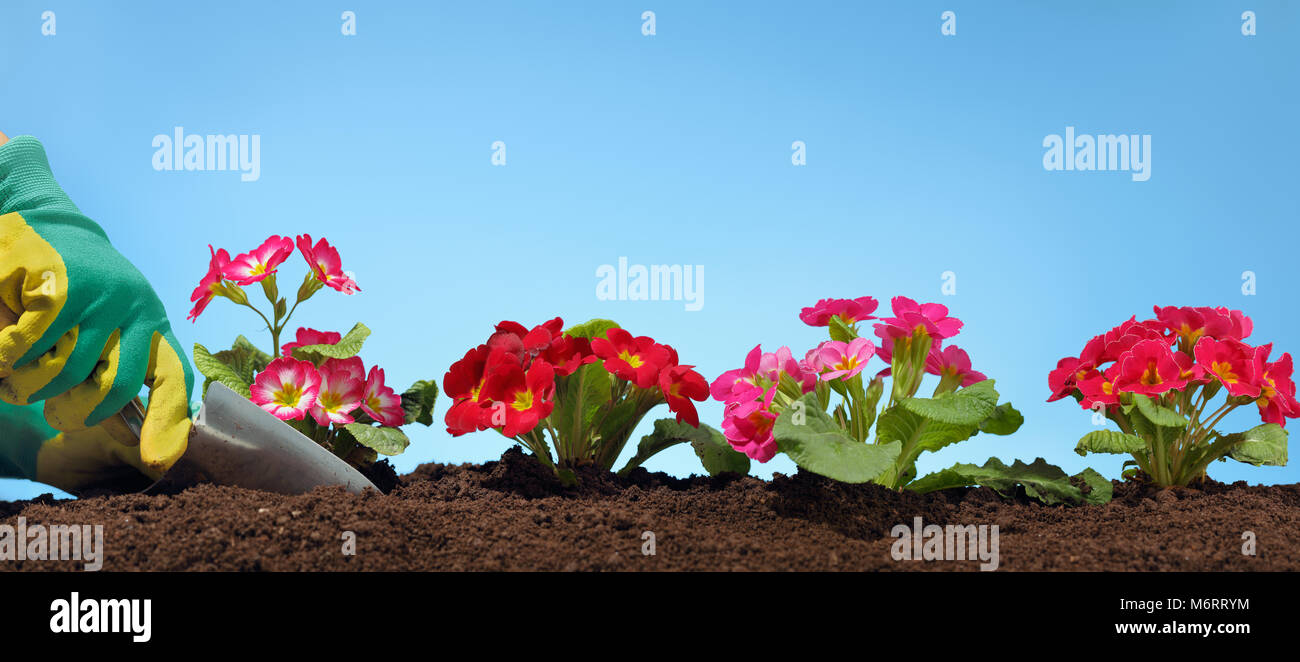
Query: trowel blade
{"type": "Point", "coordinates": [235, 442]}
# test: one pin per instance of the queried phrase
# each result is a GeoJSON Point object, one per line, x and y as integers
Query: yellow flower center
{"type": "Point", "coordinates": [1224, 370]}
{"type": "Point", "coordinates": [1266, 392]}
{"type": "Point", "coordinates": [329, 401]}
{"type": "Point", "coordinates": [523, 401]}
{"type": "Point", "coordinates": [631, 359]}
{"type": "Point", "coordinates": [1187, 332]}
{"type": "Point", "coordinates": [847, 363]}
{"type": "Point", "coordinates": [1151, 376]}
{"type": "Point", "coordinates": [288, 395]}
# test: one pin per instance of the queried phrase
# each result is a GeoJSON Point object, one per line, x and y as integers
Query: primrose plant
{"type": "Point", "coordinates": [316, 383]}
{"type": "Point", "coordinates": [820, 410]}
{"type": "Point", "coordinates": [1158, 381]}
{"type": "Point", "coordinates": [582, 392]}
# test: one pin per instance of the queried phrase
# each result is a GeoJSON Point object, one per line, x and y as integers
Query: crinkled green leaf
{"type": "Point", "coordinates": [1101, 489]}
{"type": "Point", "coordinates": [595, 328]}
{"type": "Point", "coordinates": [1110, 441]}
{"type": "Point", "coordinates": [418, 401]}
{"type": "Point", "coordinates": [1042, 481]}
{"type": "Point", "coordinates": [215, 370]}
{"type": "Point", "coordinates": [967, 406]}
{"type": "Point", "coordinates": [244, 358]}
{"type": "Point", "coordinates": [1261, 445]}
{"type": "Point", "coordinates": [710, 446]}
{"type": "Point", "coordinates": [1003, 421]}
{"type": "Point", "coordinates": [1157, 414]}
{"type": "Point", "coordinates": [820, 446]}
{"type": "Point", "coordinates": [346, 348]}
{"type": "Point", "coordinates": [384, 440]}
{"type": "Point", "coordinates": [585, 391]}
{"type": "Point", "coordinates": [917, 432]}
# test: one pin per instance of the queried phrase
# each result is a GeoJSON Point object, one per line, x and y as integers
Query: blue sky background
{"type": "Point", "coordinates": [923, 156]}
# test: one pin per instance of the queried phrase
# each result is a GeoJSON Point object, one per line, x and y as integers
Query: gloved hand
{"type": "Point", "coordinates": [104, 456]}
{"type": "Point", "coordinates": [81, 330]}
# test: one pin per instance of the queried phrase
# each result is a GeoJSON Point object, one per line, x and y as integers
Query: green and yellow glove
{"type": "Point", "coordinates": [81, 330]}
{"type": "Point", "coordinates": [104, 456]}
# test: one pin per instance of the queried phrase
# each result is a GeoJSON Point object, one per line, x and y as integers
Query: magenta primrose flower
{"type": "Point", "coordinates": [210, 284]}
{"type": "Point", "coordinates": [849, 310]}
{"type": "Point", "coordinates": [761, 370]}
{"type": "Point", "coordinates": [747, 426]}
{"type": "Point", "coordinates": [909, 316]}
{"type": "Point", "coordinates": [380, 401]}
{"type": "Point", "coordinates": [306, 336]}
{"type": "Point", "coordinates": [1191, 323]}
{"type": "Point", "coordinates": [353, 366]}
{"type": "Point", "coordinates": [326, 264]}
{"type": "Point", "coordinates": [841, 360]}
{"type": "Point", "coordinates": [287, 388]}
{"type": "Point", "coordinates": [749, 392]}
{"type": "Point", "coordinates": [257, 264]}
{"type": "Point", "coordinates": [952, 363]}
{"type": "Point", "coordinates": [340, 394]}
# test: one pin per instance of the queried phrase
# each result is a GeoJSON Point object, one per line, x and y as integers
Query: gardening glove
{"type": "Point", "coordinates": [106, 455]}
{"type": "Point", "coordinates": [81, 330]}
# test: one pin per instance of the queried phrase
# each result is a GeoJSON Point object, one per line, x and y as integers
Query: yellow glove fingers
{"type": "Point", "coordinates": [33, 289]}
{"type": "Point", "coordinates": [74, 460]}
{"type": "Point", "coordinates": [18, 387]}
{"type": "Point", "coordinates": [70, 410]}
{"type": "Point", "coordinates": [166, 430]}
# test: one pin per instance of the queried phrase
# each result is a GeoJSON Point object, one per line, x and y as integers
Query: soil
{"type": "Point", "coordinates": [513, 515]}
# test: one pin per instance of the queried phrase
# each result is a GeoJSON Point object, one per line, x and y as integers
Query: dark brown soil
{"type": "Point", "coordinates": [512, 515]}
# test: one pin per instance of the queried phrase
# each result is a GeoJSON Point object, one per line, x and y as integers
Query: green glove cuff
{"type": "Point", "coordinates": [22, 431]}
{"type": "Point", "coordinates": [26, 182]}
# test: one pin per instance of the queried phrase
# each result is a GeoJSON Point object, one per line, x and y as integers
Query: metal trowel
{"type": "Point", "coordinates": [234, 442]}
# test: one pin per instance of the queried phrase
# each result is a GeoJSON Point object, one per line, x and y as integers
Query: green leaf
{"type": "Point", "coordinates": [384, 440]}
{"type": "Point", "coordinates": [417, 402]}
{"type": "Point", "coordinates": [583, 391]}
{"type": "Point", "coordinates": [1261, 445]}
{"type": "Point", "coordinates": [595, 328]}
{"type": "Point", "coordinates": [710, 446]}
{"type": "Point", "coordinates": [1110, 441]}
{"type": "Point", "coordinates": [1158, 415]}
{"type": "Point", "coordinates": [346, 348]}
{"type": "Point", "coordinates": [1101, 488]}
{"type": "Point", "coordinates": [258, 355]}
{"type": "Point", "coordinates": [1003, 421]}
{"type": "Point", "coordinates": [840, 331]}
{"type": "Point", "coordinates": [1042, 481]}
{"type": "Point", "coordinates": [244, 358]}
{"type": "Point", "coordinates": [967, 406]}
{"type": "Point", "coordinates": [617, 426]}
{"type": "Point", "coordinates": [917, 433]}
{"type": "Point", "coordinates": [215, 370]}
{"type": "Point", "coordinates": [820, 446]}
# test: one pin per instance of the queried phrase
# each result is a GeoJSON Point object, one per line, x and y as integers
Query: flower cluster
{"type": "Point", "coordinates": [226, 277]}
{"type": "Point", "coordinates": [508, 382]}
{"type": "Point", "coordinates": [1180, 348]}
{"type": "Point", "coordinates": [1156, 379]}
{"type": "Point", "coordinates": [520, 379]}
{"type": "Point", "coordinates": [755, 395]}
{"type": "Point", "coordinates": [750, 397]}
{"type": "Point", "coordinates": [316, 383]}
{"type": "Point", "coordinates": [292, 389]}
